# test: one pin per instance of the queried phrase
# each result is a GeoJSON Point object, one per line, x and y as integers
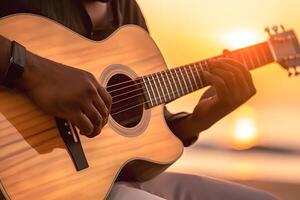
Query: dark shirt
{"type": "Point", "coordinates": [72, 14]}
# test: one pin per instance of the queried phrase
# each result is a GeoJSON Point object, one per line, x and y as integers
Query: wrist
{"type": "Point", "coordinates": [29, 77]}
{"type": "Point", "coordinates": [205, 113]}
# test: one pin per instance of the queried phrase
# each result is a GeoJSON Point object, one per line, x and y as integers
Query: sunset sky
{"type": "Point", "coordinates": [188, 31]}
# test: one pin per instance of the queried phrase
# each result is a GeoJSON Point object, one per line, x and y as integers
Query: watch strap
{"type": "Point", "coordinates": [16, 64]}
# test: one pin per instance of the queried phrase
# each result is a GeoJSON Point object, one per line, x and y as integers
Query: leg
{"type": "Point", "coordinates": [173, 186]}
{"type": "Point", "coordinates": [123, 191]}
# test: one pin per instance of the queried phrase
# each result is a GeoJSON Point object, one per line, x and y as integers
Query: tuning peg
{"type": "Point", "coordinates": [275, 29]}
{"type": "Point", "coordinates": [267, 30]}
{"type": "Point", "coordinates": [290, 72]}
{"type": "Point", "coordinates": [297, 73]}
{"type": "Point", "coordinates": [282, 28]}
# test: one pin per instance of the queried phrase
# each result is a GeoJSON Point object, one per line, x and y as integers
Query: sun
{"type": "Point", "coordinates": [245, 134]}
{"type": "Point", "coordinates": [241, 38]}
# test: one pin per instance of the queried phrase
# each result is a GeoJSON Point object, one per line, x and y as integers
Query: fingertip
{"type": "Point", "coordinates": [87, 134]}
{"type": "Point", "coordinates": [95, 132]}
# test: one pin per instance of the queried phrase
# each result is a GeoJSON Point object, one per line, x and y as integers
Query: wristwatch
{"type": "Point", "coordinates": [16, 65]}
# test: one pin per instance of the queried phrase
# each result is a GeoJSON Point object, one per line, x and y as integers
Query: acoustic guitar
{"type": "Point", "coordinates": [44, 158]}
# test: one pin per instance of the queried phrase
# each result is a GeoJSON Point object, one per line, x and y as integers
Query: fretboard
{"type": "Point", "coordinates": [166, 86]}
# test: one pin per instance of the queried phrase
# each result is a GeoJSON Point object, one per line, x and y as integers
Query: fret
{"type": "Point", "coordinates": [157, 90]}
{"type": "Point", "coordinates": [262, 53]}
{"type": "Point", "coordinates": [163, 87]}
{"type": "Point", "coordinates": [171, 85]}
{"type": "Point", "coordinates": [154, 95]}
{"type": "Point", "coordinates": [193, 76]}
{"type": "Point", "coordinates": [268, 52]}
{"type": "Point", "coordinates": [165, 92]}
{"type": "Point", "coordinates": [260, 56]}
{"type": "Point", "coordinates": [254, 57]}
{"type": "Point", "coordinates": [188, 77]}
{"type": "Point", "coordinates": [248, 60]}
{"type": "Point", "coordinates": [243, 59]}
{"type": "Point", "coordinates": [184, 80]}
{"type": "Point", "coordinates": [179, 80]}
{"type": "Point", "coordinates": [205, 65]}
{"type": "Point", "coordinates": [199, 75]}
{"type": "Point", "coordinates": [148, 92]}
{"type": "Point", "coordinates": [175, 83]}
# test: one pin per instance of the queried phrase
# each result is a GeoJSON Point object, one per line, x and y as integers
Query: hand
{"type": "Point", "coordinates": [232, 86]}
{"type": "Point", "coordinates": [68, 93]}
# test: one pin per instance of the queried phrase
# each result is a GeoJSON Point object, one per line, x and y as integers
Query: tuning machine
{"type": "Point", "coordinates": [275, 29]}
{"type": "Point", "coordinates": [293, 71]}
{"type": "Point", "coordinates": [297, 72]}
{"type": "Point", "coordinates": [268, 30]}
{"type": "Point", "coordinates": [282, 28]}
{"type": "Point", "coordinates": [291, 64]}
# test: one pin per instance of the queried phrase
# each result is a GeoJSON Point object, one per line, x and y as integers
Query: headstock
{"type": "Point", "coordinates": [285, 48]}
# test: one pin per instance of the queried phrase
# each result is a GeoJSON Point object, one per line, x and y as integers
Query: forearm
{"type": "Point", "coordinates": [4, 56]}
{"type": "Point", "coordinates": [32, 62]}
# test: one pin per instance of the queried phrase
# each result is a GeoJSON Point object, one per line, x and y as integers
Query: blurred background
{"type": "Point", "coordinates": [258, 144]}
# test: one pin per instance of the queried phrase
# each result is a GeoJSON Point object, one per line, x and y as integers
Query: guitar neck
{"type": "Point", "coordinates": [166, 86]}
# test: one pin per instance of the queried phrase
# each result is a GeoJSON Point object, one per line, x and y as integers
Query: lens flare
{"type": "Point", "coordinates": [245, 134]}
{"type": "Point", "coordinates": [241, 38]}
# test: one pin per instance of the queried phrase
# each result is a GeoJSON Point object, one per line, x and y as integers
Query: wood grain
{"type": "Point", "coordinates": [34, 163]}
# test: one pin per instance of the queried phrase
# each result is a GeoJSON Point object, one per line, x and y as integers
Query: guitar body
{"type": "Point", "coordinates": [34, 160]}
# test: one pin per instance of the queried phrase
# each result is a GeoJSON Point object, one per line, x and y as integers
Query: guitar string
{"type": "Point", "coordinates": [161, 78]}
{"type": "Point", "coordinates": [115, 113]}
{"type": "Point", "coordinates": [238, 54]}
{"type": "Point", "coordinates": [191, 68]}
{"type": "Point", "coordinates": [166, 71]}
{"type": "Point", "coordinates": [156, 98]}
{"type": "Point", "coordinates": [142, 93]}
{"type": "Point", "coordinates": [160, 97]}
{"type": "Point", "coordinates": [199, 63]}
{"type": "Point", "coordinates": [164, 75]}
{"type": "Point", "coordinates": [195, 67]}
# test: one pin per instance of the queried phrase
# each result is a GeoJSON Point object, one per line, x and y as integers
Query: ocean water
{"type": "Point", "coordinates": [260, 163]}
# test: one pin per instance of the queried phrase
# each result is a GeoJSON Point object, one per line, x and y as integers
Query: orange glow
{"type": "Point", "coordinates": [245, 135]}
{"type": "Point", "coordinates": [188, 31]}
{"type": "Point", "coordinates": [241, 38]}
{"type": "Point", "coordinates": [245, 169]}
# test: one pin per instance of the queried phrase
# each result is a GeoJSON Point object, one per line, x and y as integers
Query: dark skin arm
{"type": "Point", "coordinates": [62, 91]}
{"type": "Point", "coordinates": [232, 86]}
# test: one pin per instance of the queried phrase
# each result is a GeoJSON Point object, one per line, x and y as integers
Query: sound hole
{"type": "Point", "coordinates": [127, 106]}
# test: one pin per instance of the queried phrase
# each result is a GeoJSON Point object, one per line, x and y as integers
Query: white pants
{"type": "Point", "coordinates": [173, 186]}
